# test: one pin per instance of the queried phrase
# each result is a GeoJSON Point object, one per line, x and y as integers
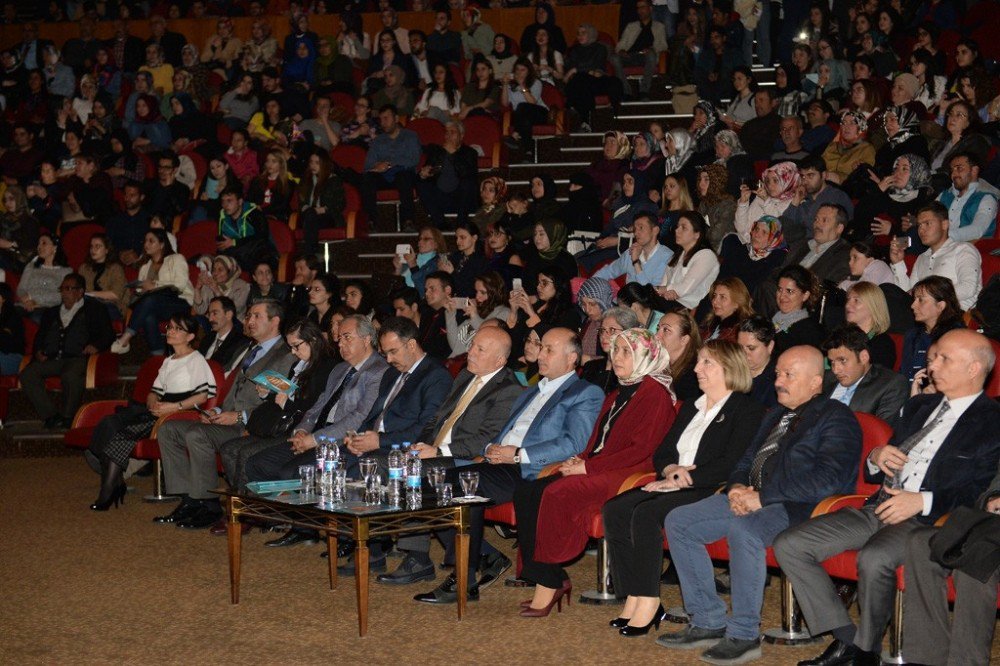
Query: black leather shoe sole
{"type": "Point", "coordinates": [408, 578]}
{"type": "Point", "coordinates": [291, 539]}
{"type": "Point", "coordinates": [439, 596]}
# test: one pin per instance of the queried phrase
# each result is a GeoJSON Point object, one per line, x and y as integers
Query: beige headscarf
{"type": "Point", "coordinates": [649, 358]}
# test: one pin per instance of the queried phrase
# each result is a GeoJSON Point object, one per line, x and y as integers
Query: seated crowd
{"type": "Point", "coordinates": [742, 290]}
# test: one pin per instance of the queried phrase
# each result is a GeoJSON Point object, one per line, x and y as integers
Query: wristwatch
{"type": "Point", "coordinates": [239, 419]}
{"type": "Point", "coordinates": [517, 456]}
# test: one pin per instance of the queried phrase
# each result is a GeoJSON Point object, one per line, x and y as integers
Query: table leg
{"type": "Point", "coordinates": [361, 584]}
{"type": "Point", "coordinates": [234, 534]}
{"type": "Point", "coordinates": [331, 555]}
{"type": "Point", "coordinates": [462, 570]}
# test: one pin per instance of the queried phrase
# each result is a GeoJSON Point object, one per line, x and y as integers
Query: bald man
{"type": "Point", "coordinates": [943, 454]}
{"type": "Point", "coordinates": [469, 418]}
{"type": "Point", "coordinates": [806, 449]}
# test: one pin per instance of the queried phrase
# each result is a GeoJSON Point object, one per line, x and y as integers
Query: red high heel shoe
{"type": "Point", "coordinates": [565, 591]}
{"type": "Point", "coordinates": [566, 585]}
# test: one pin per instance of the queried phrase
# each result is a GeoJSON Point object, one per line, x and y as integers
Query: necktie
{"type": "Point", "coordinates": [332, 402]}
{"type": "Point", "coordinates": [215, 347]}
{"type": "Point", "coordinates": [249, 359]}
{"type": "Point", "coordinates": [910, 442]}
{"type": "Point", "coordinates": [768, 449]}
{"type": "Point", "coordinates": [456, 413]}
{"type": "Point", "coordinates": [397, 387]}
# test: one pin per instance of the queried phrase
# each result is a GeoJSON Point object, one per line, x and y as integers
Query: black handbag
{"type": "Point", "coordinates": [268, 421]}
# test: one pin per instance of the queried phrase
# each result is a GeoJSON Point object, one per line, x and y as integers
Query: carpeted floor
{"type": "Point", "coordinates": [79, 587]}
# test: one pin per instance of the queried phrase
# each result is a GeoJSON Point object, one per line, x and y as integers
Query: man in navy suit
{"type": "Point", "coordinates": [407, 399]}
{"type": "Point", "coordinates": [548, 423]}
{"type": "Point", "coordinates": [805, 450]}
{"type": "Point", "coordinates": [944, 451]}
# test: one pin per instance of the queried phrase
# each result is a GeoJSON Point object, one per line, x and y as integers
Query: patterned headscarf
{"type": "Point", "coordinates": [731, 139]}
{"type": "Point", "coordinates": [649, 358]}
{"type": "Point", "coordinates": [718, 179]}
{"type": "Point", "coordinates": [624, 145]}
{"type": "Point", "coordinates": [597, 289]}
{"type": "Point", "coordinates": [908, 120]}
{"type": "Point", "coordinates": [788, 177]}
{"type": "Point", "coordinates": [713, 118]}
{"type": "Point", "coordinates": [232, 270]}
{"type": "Point", "coordinates": [775, 238]}
{"type": "Point", "coordinates": [920, 177]}
{"type": "Point", "coordinates": [859, 118]}
{"type": "Point", "coordinates": [500, 187]}
{"type": "Point", "coordinates": [683, 150]}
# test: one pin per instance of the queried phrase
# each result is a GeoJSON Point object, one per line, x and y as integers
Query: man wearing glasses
{"type": "Point", "coordinates": [70, 333]}
{"type": "Point", "coordinates": [166, 196]}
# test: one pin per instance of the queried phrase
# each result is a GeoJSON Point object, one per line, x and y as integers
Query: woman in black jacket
{"type": "Point", "coordinates": [554, 308]}
{"type": "Point", "coordinates": [693, 461]}
{"type": "Point", "coordinates": [467, 262]}
{"type": "Point", "coordinates": [799, 291]}
{"type": "Point", "coordinates": [449, 179]}
{"type": "Point", "coordinates": [321, 200]}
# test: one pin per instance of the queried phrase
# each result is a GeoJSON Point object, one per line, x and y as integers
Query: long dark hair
{"type": "Point", "coordinates": [924, 57]}
{"type": "Point", "coordinates": [161, 235]}
{"type": "Point", "coordinates": [496, 292]}
{"type": "Point", "coordinates": [111, 259]}
{"type": "Point", "coordinates": [529, 81]}
{"type": "Point", "coordinates": [367, 298]}
{"type": "Point", "coordinates": [59, 259]}
{"type": "Point", "coordinates": [312, 335]}
{"type": "Point", "coordinates": [942, 290]}
{"type": "Point", "coordinates": [697, 222]}
{"type": "Point", "coordinates": [451, 90]}
{"type": "Point", "coordinates": [805, 280]}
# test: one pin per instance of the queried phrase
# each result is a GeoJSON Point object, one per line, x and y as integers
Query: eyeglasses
{"type": "Point", "coordinates": [957, 114]}
{"type": "Point", "coordinates": [789, 291]}
{"type": "Point", "coordinates": [175, 327]}
{"type": "Point", "coordinates": [315, 289]}
{"type": "Point", "coordinates": [547, 283]}
{"type": "Point", "coordinates": [295, 345]}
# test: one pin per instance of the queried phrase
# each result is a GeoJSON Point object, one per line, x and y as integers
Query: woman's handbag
{"type": "Point", "coordinates": [268, 420]}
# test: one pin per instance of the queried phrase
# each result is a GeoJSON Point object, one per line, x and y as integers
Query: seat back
{"type": "Point", "coordinates": [145, 378]}
{"type": "Point", "coordinates": [428, 129]}
{"type": "Point", "coordinates": [222, 385]}
{"type": "Point", "coordinates": [281, 235]}
{"type": "Point", "coordinates": [349, 157]}
{"type": "Point", "coordinates": [76, 243]}
{"type": "Point", "coordinates": [874, 433]}
{"type": "Point", "coordinates": [992, 387]}
{"type": "Point", "coordinates": [484, 132]}
{"type": "Point", "coordinates": [198, 238]}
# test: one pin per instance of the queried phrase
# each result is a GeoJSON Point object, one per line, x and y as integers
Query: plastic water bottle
{"type": "Point", "coordinates": [413, 473]}
{"type": "Point", "coordinates": [396, 460]}
{"type": "Point", "coordinates": [326, 479]}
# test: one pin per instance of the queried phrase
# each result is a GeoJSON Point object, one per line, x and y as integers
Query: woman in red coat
{"type": "Point", "coordinates": [554, 512]}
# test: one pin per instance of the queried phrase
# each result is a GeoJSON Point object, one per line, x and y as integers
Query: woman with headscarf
{"type": "Point", "coordinates": [775, 194]}
{"type": "Point", "coordinates": [583, 211]}
{"type": "Point", "coordinates": [593, 297]}
{"type": "Point", "coordinates": [492, 198]}
{"type": "Point", "coordinates": [502, 57]}
{"type": "Point", "coordinates": [545, 18]}
{"type": "Point", "coordinates": [548, 249]}
{"type": "Point", "coordinates": [107, 73]}
{"type": "Point", "coordinates": [849, 149]}
{"type": "Point", "coordinates": [553, 513]}
{"type": "Point", "coordinates": [890, 208]}
{"type": "Point", "coordinates": [477, 37]}
{"type": "Point", "coordinates": [729, 152]}
{"type": "Point", "coordinates": [223, 279]}
{"type": "Point", "coordinates": [631, 201]}
{"type": "Point", "coordinates": [607, 170]}
{"type": "Point", "coordinates": [188, 124]}
{"type": "Point", "coordinates": [599, 370]}
{"type": "Point", "coordinates": [298, 72]}
{"type": "Point", "coordinates": [704, 127]}
{"type": "Point", "coordinates": [149, 131]}
{"type": "Point", "coordinates": [715, 203]}
{"type": "Point", "coordinates": [199, 72]}
{"type": "Point", "coordinates": [902, 129]}
{"type": "Point", "coordinates": [386, 55]}
{"type": "Point", "coordinates": [332, 71]}
{"type": "Point", "coordinates": [394, 92]}
{"type": "Point", "coordinates": [754, 261]}
{"type": "Point", "coordinates": [261, 49]}
{"type": "Point", "coordinates": [647, 157]}
{"type": "Point", "coordinates": [543, 197]}
{"type": "Point", "coordinates": [678, 149]}
{"type": "Point", "coordinates": [585, 76]}
{"type": "Point", "coordinates": [102, 124]}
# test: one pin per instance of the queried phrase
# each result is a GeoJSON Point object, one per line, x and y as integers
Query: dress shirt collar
{"type": "Point", "coordinates": [548, 386]}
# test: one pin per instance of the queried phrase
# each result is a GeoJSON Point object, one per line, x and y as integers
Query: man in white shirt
{"type": "Point", "coordinates": [970, 201]}
{"type": "Point", "coordinates": [941, 456]}
{"type": "Point", "coordinates": [421, 59]}
{"type": "Point", "coordinates": [548, 423]}
{"type": "Point", "coordinates": [959, 262]}
{"type": "Point", "coordinates": [646, 260]}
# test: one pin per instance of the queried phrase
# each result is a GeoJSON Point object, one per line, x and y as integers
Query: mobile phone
{"type": "Point", "coordinates": [518, 285]}
{"type": "Point", "coordinates": [207, 414]}
{"type": "Point", "coordinates": [403, 249]}
{"type": "Point", "coordinates": [461, 302]}
{"type": "Point", "coordinates": [352, 433]}
{"type": "Point", "coordinates": [902, 242]}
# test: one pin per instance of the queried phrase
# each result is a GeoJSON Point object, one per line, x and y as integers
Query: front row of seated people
{"type": "Point", "coordinates": [726, 467]}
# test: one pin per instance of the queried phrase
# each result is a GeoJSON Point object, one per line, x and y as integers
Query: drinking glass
{"type": "Point", "coordinates": [340, 485]}
{"type": "Point", "coordinates": [307, 473]}
{"type": "Point", "coordinates": [895, 482]}
{"type": "Point", "coordinates": [444, 493]}
{"type": "Point", "coordinates": [470, 482]}
{"type": "Point", "coordinates": [435, 476]}
{"type": "Point", "coordinates": [373, 489]}
{"type": "Point", "coordinates": [368, 466]}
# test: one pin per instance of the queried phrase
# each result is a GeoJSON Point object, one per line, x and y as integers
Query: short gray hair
{"type": "Point", "coordinates": [365, 329]}
{"type": "Point", "coordinates": [458, 124]}
{"type": "Point", "coordinates": [625, 317]}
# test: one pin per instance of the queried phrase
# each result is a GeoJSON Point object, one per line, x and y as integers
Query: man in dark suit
{"type": "Point", "coordinates": [307, 267]}
{"type": "Point", "coordinates": [69, 334]}
{"type": "Point", "coordinates": [407, 399]}
{"type": "Point", "coordinates": [226, 343]}
{"type": "Point", "coordinates": [856, 382]}
{"type": "Point", "coordinates": [430, 321]}
{"type": "Point", "coordinates": [930, 638]}
{"type": "Point", "coordinates": [170, 42]}
{"type": "Point", "coordinates": [469, 418]}
{"type": "Point", "coordinates": [31, 47]}
{"type": "Point", "coordinates": [826, 254]}
{"type": "Point", "coordinates": [128, 51]}
{"type": "Point", "coordinates": [188, 448]}
{"type": "Point", "coordinates": [933, 464]}
{"type": "Point", "coordinates": [547, 424]}
{"type": "Point", "coordinates": [803, 452]}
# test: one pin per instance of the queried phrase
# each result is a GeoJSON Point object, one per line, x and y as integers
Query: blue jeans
{"type": "Point", "coordinates": [763, 34]}
{"type": "Point", "coordinates": [149, 311]}
{"type": "Point", "coordinates": [689, 528]}
{"type": "Point", "coordinates": [663, 14]}
{"type": "Point", "coordinates": [10, 363]}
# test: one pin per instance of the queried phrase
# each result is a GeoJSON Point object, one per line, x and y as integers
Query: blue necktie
{"type": "Point", "coordinates": [250, 357]}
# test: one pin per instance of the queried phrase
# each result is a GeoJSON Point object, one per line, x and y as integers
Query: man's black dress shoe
{"type": "Point", "coordinates": [447, 593]}
{"type": "Point", "coordinates": [183, 511]}
{"type": "Point", "coordinates": [291, 538]}
{"type": "Point", "coordinates": [375, 565]}
{"type": "Point", "coordinates": [409, 571]}
{"type": "Point", "coordinates": [839, 652]}
{"type": "Point", "coordinates": [201, 519]}
{"type": "Point", "coordinates": [491, 567]}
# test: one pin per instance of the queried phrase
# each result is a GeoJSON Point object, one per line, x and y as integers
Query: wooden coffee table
{"type": "Point", "coordinates": [354, 520]}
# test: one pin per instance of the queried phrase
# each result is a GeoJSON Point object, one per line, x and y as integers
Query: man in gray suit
{"type": "Point", "coordinates": [929, 639]}
{"type": "Point", "coordinates": [188, 448]}
{"type": "Point", "coordinates": [349, 395]}
{"type": "Point", "coordinates": [856, 382]}
{"type": "Point", "coordinates": [470, 418]}
{"type": "Point", "coordinates": [826, 254]}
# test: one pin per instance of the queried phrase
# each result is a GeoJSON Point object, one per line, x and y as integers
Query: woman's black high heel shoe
{"type": "Point", "coordinates": [619, 622]}
{"type": "Point", "coordinates": [629, 631]}
{"type": "Point", "coordinates": [117, 496]}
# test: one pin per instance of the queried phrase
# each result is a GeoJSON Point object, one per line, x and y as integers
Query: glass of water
{"type": "Point", "coordinates": [444, 494]}
{"type": "Point", "coordinates": [368, 466]}
{"type": "Point", "coordinates": [340, 485]}
{"type": "Point", "coordinates": [373, 490]}
{"type": "Point", "coordinates": [307, 473]}
{"type": "Point", "coordinates": [470, 482]}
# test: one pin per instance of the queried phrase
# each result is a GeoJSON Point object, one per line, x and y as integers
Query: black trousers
{"type": "Point", "coordinates": [525, 117]}
{"type": "Point", "coordinates": [277, 462]}
{"type": "Point", "coordinates": [583, 88]}
{"type": "Point", "coordinates": [402, 182]}
{"type": "Point", "coordinates": [633, 528]}
{"type": "Point", "coordinates": [312, 222]}
{"type": "Point", "coordinates": [437, 202]}
{"type": "Point", "coordinates": [527, 501]}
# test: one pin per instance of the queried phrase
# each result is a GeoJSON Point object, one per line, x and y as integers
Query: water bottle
{"type": "Point", "coordinates": [326, 476]}
{"type": "Point", "coordinates": [413, 473]}
{"type": "Point", "coordinates": [320, 455]}
{"type": "Point", "coordinates": [396, 459]}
